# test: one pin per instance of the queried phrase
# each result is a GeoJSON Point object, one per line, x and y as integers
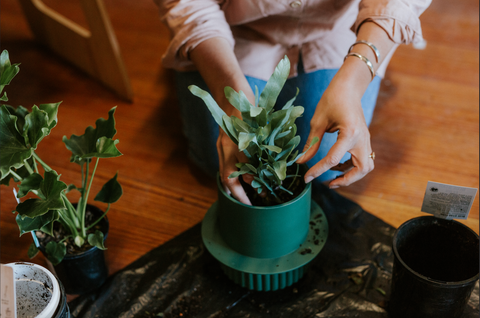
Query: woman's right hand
{"type": "Point", "coordinates": [228, 156]}
{"type": "Point", "coordinates": [218, 65]}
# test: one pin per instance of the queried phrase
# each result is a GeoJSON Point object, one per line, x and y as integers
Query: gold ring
{"type": "Point", "coordinates": [372, 155]}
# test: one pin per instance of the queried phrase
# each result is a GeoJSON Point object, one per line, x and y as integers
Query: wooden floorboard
{"type": "Point", "coordinates": [425, 127]}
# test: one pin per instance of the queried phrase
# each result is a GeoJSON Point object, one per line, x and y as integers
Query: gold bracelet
{"type": "Point", "coordinates": [363, 58]}
{"type": "Point", "coordinates": [370, 45]}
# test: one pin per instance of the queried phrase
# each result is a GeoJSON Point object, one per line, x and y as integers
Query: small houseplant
{"type": "Point", "coordinates": [46, 209]}
{"type": "Point", "coordinates": [259, 246]}
{"type": "Point", "coordinates": [267, 137]}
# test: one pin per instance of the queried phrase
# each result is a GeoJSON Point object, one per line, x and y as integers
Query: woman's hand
{"type": "Point", "coordinates": [216, 62]}
{"type": "Point", "coordinates": [340, 110]}
{"type": "Point", "coordinates": [228, 156]}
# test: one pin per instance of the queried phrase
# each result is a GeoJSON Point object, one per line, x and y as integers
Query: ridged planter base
{"type": "Point", "coordinates": [265, 274]}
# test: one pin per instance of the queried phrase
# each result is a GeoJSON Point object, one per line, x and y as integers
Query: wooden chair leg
{"type": "Point", "coordinates": [94, 51]}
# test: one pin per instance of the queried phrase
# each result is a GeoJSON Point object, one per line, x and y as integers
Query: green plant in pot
{"type": "Point", "coordinates": [66, 232]}
{"type": "Point", "coordinates": [265, 246]}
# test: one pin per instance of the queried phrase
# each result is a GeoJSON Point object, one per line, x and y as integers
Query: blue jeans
{"type": "Point", "coordinates": [202, 132]}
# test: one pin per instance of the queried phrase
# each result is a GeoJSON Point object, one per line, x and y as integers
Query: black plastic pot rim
{"type": "Point", "coordinates": [222, 190]}
{"type": "Point", "coordinates": [67, 256]}
{"type": "Point", "coordinates": [423, 278]}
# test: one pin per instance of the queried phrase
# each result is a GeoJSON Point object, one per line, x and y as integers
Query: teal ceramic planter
{"type": "Point", "coordinates": [264, 232]}
{"type": "Point", "coordinates": [265, 248]}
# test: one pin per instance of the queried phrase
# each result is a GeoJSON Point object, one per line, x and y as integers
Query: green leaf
{"type": "Point", "coordinates": [32, 250]}
{"type": "Point", "coordinates": [244, 140]}
{"type": "Point", "coordinates": [71, 187]}
{"type": "Point", "coordinates": [272, 89]}
{"type": "Point", "coordinates": [260, 115]}
{"type": "Point", "coordinates": [20, 112]}
{"type": "Point", "coordinates": [52, 110]}
{"type": "Point", "coordinates": [240, 125]}
{"type": "Point", "coordinates": [88, 145]}
{"type": "Point", "coordinates": [255, 111]}
{"type": "Point", "coordinates": [55, 252]}
{"type": "Point", "coordinates": [21, 172]}
{"type": "Point", "coordinates": [252, 168]}
{"type": "Point", "coordinates": [79, 241]}
{"type": "Point", "coordinates": [286, 190]}
{"type": "Point", "coordinates": [263, 133]}
{"type": "Point", "coordinates": [36, 127]}
{"type": "Point", "coordinates": [30, 183]}
{"type": "Point", "coordinates": [51, 188]}
{"type": "Point", "coordinates": [292, 144]}
{"type": "Point", "coordinates": [280, 168]}
{"type": "Point", "coordinates": [272, 148]}
{"type": "Point", "coordinates": [106, 148]}
{"type": "Point", "coordinates": [238, 100]}
{"type": "Point", "coordinates": [255, 184]}
{"type": "Point", "coordinates": [212, 105]}
{"type": "Point", "coordinates": [48, 228]}
{"type": "Point", "coordinates": [14, 150]}
{"type": "Point", "coordinates": [290, 102]}
{"type": "Point", "coordinates": [96, 240]}
{"type": "Point", "coordinates": [111, 191]}
{"type": "Point", "coordinates": [237, 173]}
{"type": "Point", "coordinates": [278, 123]}
{"type": "Point", "coordinates": [231, 131]}
{"type": "Point", "coordinates": [297, 111]}
{"type": "Point", "coordinates": [313, 142]}
{"type": "Point", "coordinates": [7, 72]}
{"type": "Point", "coordinates": [26, 224]}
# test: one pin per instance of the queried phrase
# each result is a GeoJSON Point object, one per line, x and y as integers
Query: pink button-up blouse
{"type": "Point", "coordinates": [263, 31]}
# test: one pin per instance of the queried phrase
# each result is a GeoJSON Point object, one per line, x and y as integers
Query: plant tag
{"type": "Point", "coordinates": [8, 305]}
{"type": "Point", "coordinates": [447, 201]}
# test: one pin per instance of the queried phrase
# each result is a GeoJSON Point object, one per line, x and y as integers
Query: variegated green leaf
{"type": "Point", "coordinates": [14, 150]}
{"type": "Point", "coordinates": [96, 239]}
{"type": "Point", "coordinates": [95, 142]}
{"type": "Point", "coordinates": [280, 168]}
{"type": "Point", "coordinates": [272, 89]}
{"type": "Point", "coordinates": [238, 100]}
{"type": "Point", "coordinates": [244, 140]}
{"type": "Point", "coordinates": [230, 129]}
{"type": "Point", "coordinates": [211, 104]}
{"type": "Point", "coordinates": [51, 189]}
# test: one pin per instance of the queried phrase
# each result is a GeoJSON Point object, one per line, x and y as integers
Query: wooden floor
{"type": "Point", "coordinates": [425, 127]}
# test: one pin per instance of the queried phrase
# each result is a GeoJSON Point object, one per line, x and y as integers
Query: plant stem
{"type": "Point", "coordinates": [71, 210]}
{"type": "Point", "coordinates": [100, 218]}
{"type": "Point", "coordinates": [35, 165]}
{"type": "Point", "coordinates": [15, 175]}
{"type": "Point", "coordinates": [44, 165]}
{"type": "Point", "coordinates": [30, 170]}
{"type": "Point", "coordinates": [68, 223]}
{"type": "Point", "coordinates": [84, 232]}
{"type": "Point", "coordinates": [296, 174]}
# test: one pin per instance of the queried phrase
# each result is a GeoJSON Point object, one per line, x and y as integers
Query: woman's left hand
{"type": "Point", "coordinates": [340, 110]}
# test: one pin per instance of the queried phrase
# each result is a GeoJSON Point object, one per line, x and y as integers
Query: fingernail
{"type": "Point", "coordinates": [334, 187]}
{"type": "Point", "coordinates": [308, 179]}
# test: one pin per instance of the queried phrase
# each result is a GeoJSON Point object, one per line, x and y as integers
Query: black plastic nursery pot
{"type": "Point", "coordinates": [264, 248]}
{"type": "Point", "coordinates": [436, 266]}
{"type": "Point", "coordinates": [39, 293]}
{"type": "Point", "coordinates": [86, 271]}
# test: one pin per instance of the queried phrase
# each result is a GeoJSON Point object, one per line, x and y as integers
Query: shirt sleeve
{"type": "Point", "coordinates": [399, 18]}
{"type": "Point", "coordinates": [191, 22]}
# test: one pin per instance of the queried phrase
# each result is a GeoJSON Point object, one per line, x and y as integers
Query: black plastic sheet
{"type": "Point", "coordinates": [349, 278]}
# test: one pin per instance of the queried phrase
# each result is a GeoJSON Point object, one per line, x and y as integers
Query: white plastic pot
{"type": "Point", "coordinates": [38, 292]}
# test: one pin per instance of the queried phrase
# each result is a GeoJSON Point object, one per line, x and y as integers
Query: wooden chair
{"type": "Point", "coordinates": [94, 51]}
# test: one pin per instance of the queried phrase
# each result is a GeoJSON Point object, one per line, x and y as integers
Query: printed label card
{"type": "Point", "coordinates": [448, 201]}
{"type": "Point", "coordinates": [7, 282]}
